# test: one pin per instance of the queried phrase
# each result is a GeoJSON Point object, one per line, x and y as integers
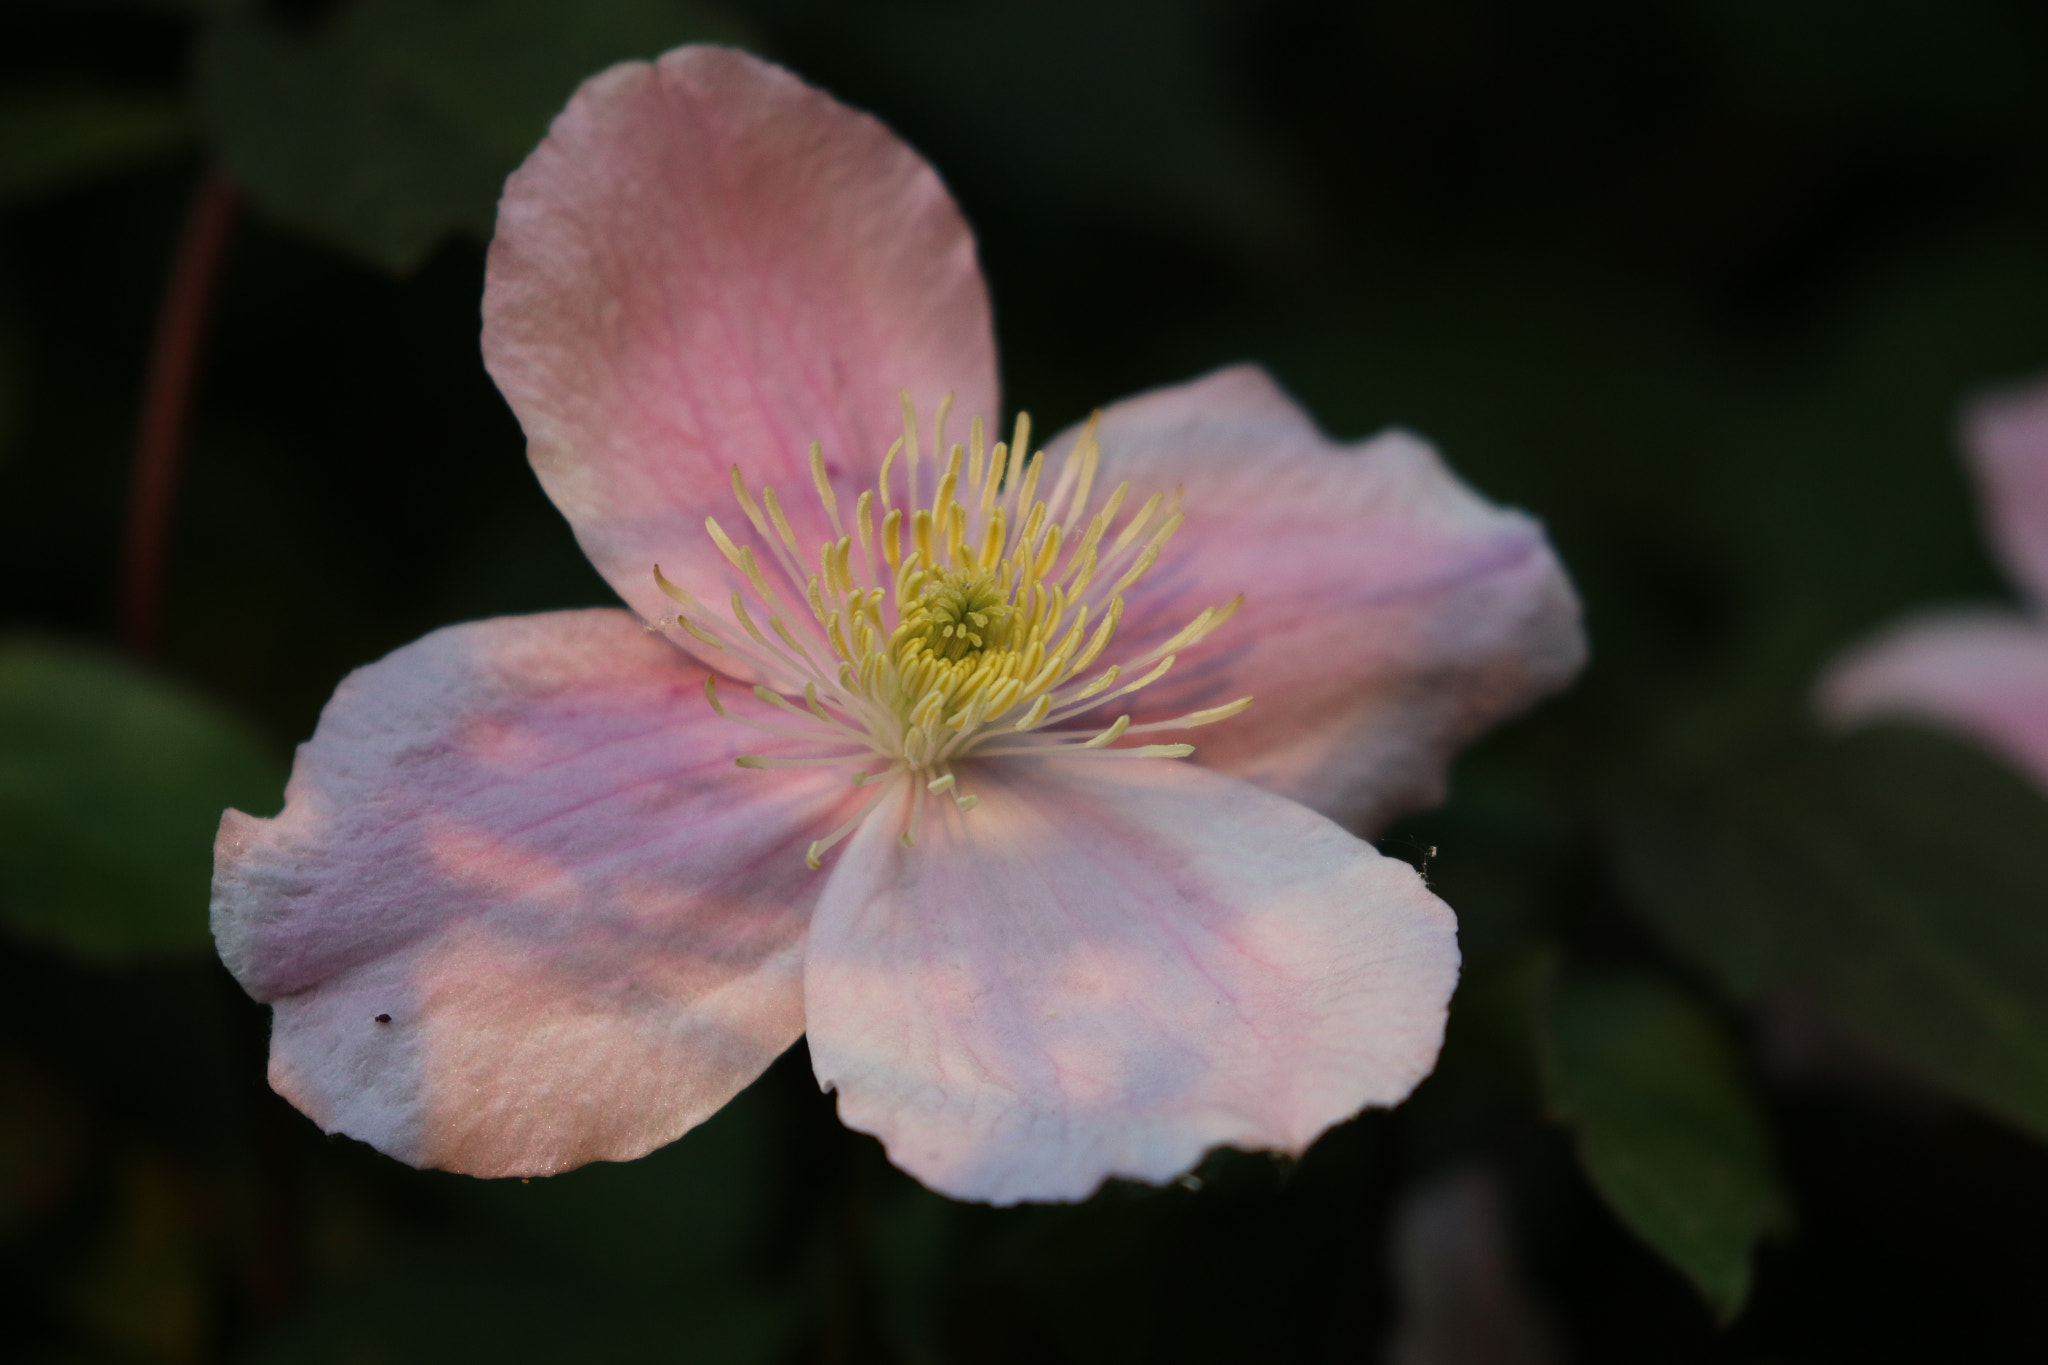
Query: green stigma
{"type": "Point", "coordinates": [959, 612]}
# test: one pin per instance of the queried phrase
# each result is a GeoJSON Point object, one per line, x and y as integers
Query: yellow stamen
{"type": "Point", "coordinates": [983, 622]}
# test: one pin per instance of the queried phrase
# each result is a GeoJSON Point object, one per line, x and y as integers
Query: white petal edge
{"type": "Point", "coordinates": [1107, 968]}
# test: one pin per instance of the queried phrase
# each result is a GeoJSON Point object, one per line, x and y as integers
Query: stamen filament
{"type": "Point", "coordinates": [966, 626]}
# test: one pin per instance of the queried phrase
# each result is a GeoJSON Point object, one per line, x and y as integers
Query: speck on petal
{"type": "Point", "coordinates": [1984, 673]}
{"type": "Point", "coordinates": [1390, 613]}
{"type": "Point", "coordinates": [707, 263]}
{"type": "Point", "coordinates": [520, 911]}
{"type": "Point", "coordinates": [1107, 968]}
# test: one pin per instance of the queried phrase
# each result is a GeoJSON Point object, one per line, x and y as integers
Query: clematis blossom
{"type": "Point", "coordinates": [1980, 671]}
{"type": "Point", "coordinates": [895, 743]}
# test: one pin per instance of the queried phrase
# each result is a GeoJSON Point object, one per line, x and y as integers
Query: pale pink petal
{"type": "Point", "coordinates": [1107, 968]}
{"type": "Point", "coordinates": [523, 843]}
{"type": "Point", "coordinates": [1984, 673]}
{"type": "Point", "coordinates": [708, 263]}
{"type": "Point", "coordinates": [1390, 613]}
{"type": "Point", "coordinates": [2007, 438]}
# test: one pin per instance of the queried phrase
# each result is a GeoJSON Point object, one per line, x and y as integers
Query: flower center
{"type": "Point", "coordinates": [961, 627]}
{"type": "Point", "coordinates": [955, 614]}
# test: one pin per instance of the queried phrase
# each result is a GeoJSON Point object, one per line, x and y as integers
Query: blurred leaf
{"type": "Point", "coordinates": [443, 1301]}
{"type": "Point", "coordinates": [397, 125]}
{"type": "Point", "coordinates": [1666, 1129]}
{"type": "Point", "coordinates": [1900, 873]}
{"type": "Point", "coordinates": [1133, 108]}
{"type": "Point", "coordinates": [111, 787]}
{"type": "Point", "coordinates": [53, 139]}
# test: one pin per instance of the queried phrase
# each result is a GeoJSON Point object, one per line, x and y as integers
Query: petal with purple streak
{"type": "Point", "coordinates": [521, 911]}
{"type": "Point", "coordinates": [1390, 613]}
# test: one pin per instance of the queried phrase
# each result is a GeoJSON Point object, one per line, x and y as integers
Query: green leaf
{"type": "Point", "coordinates": [1900, 874]}
{"type": "Point", "coordinates": [1666, 1129]}
{"type": "Point", "coordinates": [397, 126]}
{"type": "Point", "coordinates": [54, 139]}
{"type": "Point", "coordinates": [112, 784]}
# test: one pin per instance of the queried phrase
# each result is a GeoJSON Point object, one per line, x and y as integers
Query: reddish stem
{"type": "Point", "coordinates": [167, 387]}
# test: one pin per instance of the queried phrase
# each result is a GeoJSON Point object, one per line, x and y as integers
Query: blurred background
{"type": "Point", "coordinates": [1750, 1062]}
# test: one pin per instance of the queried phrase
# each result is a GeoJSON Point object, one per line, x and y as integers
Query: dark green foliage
{"type": "Point", "coordinates": [396, 125]}
{"type": "Point", "coordinates": [1901, 875]}
{"type": "Point", "coordinates": [111, 783]}
{"type": "Point", "coordinates": [1665, 1125]}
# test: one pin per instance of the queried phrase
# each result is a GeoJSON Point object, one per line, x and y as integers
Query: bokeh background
{"type": "Point", "coordinates": [1750, 1062]}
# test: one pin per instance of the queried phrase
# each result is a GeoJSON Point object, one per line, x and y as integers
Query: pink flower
{"type": "Point", "coordinates": [545, 891]}
{"type": "Point", "coordinates": [1983, 672]}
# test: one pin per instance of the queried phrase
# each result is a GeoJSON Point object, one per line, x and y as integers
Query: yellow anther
{"type": "Point", "coordinates": [1102, 683]}
{"type": "Point", "coordinates": [1111, 735]}
{"type": "Point", "coordinates": [1020, 449]}
{"type": "Point", "coordinates": [1136, 526]}
{"type": "Point", "coordinates": [823, 484]}
{"type": "Point", "coordinates": [671, 591]}
{"type": "Point", "coordinates": [1214, 713]}
{"type": "Point", "coordinates": [976, 433]}
{"type": "Point", "coordinates": [883, 485]}
{"type": "Point", "coordinates": [985, 617]}
{"type": "Point", "coordinates": [774, 506]}
{"type": "Point", "coordinates": [746, 501]}
{"type": "Point", "coordinates": [948, 481]}
{"type": "Point", "coordinates": [921, 534]}
{"type": "Point", "coordinates": [892, 538]}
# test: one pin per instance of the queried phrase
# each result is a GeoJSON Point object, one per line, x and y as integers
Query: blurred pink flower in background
{"type": "Point", "coordinates": [1982, 671]}
{"type": "Point", "coordinates": [535, 900]}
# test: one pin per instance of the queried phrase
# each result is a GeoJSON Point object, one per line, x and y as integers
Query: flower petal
{"type": "Point", "coordinates": [708, 263]}
{"type": "Point", "coordinates": [1984, 673]}
{"type": "Point", "coordinates": [2007, 438]}
{"type": "Point", "coordinates": [1390, 614]}
{"type": "Point", "coordinates": [1107, 968]}
{"type": "Point", "coordinates": [521, 911]}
